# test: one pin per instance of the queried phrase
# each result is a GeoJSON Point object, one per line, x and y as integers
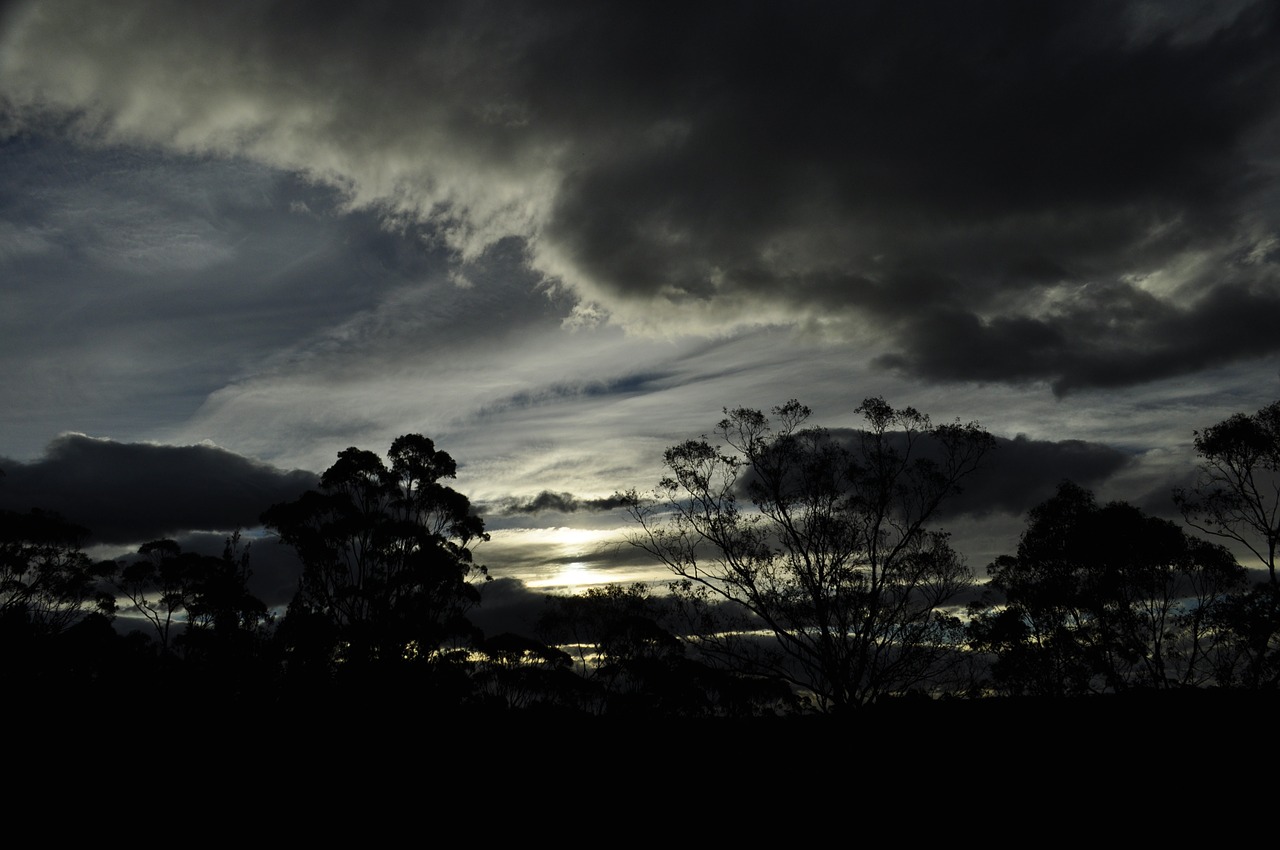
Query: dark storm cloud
{"type": "Point", "coordinates": [131, 493]}
{"type": "Point", "coordinates": [549, 502]}
{"type": "Point", "coordinates": [1112, 336]}
{"type": "Point", "coordinates": [1022, 473]}
{"type": "Point", "coordinates": [924, 164]}
{"type": "Point", "coordinates": [508, 605]}
{"type": "Point", "coordinates": [1009, 191]}
{"type": "Point", "coordinates": [1019, 473]}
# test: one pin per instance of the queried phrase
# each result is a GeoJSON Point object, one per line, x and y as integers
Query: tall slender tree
{"type": "Point", "coordinates": [832, 555]}
{"type": "Point", "coordinates": [1237, 494]}
{"type": "Point", "coordinates": [1237, 498]}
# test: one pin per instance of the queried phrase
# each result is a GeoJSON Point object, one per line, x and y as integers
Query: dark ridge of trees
{"type": "Point", "coordinates": [807, 578]}
{"type": "Point", "coordinates": [628, 647]}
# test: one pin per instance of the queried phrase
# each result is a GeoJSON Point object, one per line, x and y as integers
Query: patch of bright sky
{"type": "Point", "coordinates": [567, 557]}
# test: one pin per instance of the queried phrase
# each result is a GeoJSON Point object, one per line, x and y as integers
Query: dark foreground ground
{"type": "Point", "coordinates": [1142, 767]}
{"type": "Point", "coordinates": [1204, 727]}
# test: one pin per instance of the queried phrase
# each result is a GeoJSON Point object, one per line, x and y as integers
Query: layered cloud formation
{"type": "Point", "coordinates": [560, 237]}
{"type": "Point", "coordinates": [1080, 193]}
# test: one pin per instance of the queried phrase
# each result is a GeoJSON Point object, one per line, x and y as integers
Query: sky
{"type": "Point", "coordinates": [239, 237]}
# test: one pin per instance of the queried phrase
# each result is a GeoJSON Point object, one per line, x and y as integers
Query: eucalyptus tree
{"type": "Point", "coordinates": [197, 605]}
{"type": "Point", "coordinates": [1105, 598]}
{"type": "Point", "coordinates": [1237, 493]}
{"type": "Point", "coordinates": [1236, 497]}
{"type": "Point", "coordinates": [47, 582]}
{"type": "Point", "coordinates": [386, 553]}
{"type": "Point", "coordinates": [822, 543]}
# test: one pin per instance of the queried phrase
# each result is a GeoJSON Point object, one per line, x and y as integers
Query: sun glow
{"type": "Point", "coordinates": [562, 559]}
{"type": "Point", "coordinates": [574, 577]}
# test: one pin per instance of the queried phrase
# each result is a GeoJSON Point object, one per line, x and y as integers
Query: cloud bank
{"type": "Point", "coordinates": [129, 493]}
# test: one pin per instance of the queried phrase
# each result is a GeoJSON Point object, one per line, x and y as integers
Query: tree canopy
{"type": "Point", "coordinates": [46, 581]}
{"type": "Point", "coordinates": [833, 556]}
{"type": "Point", "coordinates": [1237, 493]}
{"type": "Point", "coordinates": [386, 554]}
{"type": "Point", "coordinates": [1105, 598]}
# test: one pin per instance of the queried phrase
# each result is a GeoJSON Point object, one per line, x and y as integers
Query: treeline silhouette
{"type": "Point", "coordinates": [830, 593]}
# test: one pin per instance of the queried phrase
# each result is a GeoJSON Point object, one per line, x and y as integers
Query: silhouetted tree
{"type": "Point", "coordinates": [50, 597]}
{"type": "Point", "coordinates": [614, 635]}
{"type": "Point", "coordinates": [226, 643]}
{"type": "Point", "coordinates": [1247, 626]}
{"type": "Point", "coordinates": [199, 607]}
{"type": "Point", "coordinates": [46, 582]}
{"type": "Point", "coordinates": [220, 608]}
{"type": "Point", "coordinates": [517, 672]}
{"type": "Point", "coordinates": [387, 563]}
{"type": "Point", "coordinates": [1104, 598]}
{"type": "Point", "coordinates": [1237, 496]}
{"type": "Point", "coordinates": [157, 587]}
{"type": "Point", "coordinates": [834, 556]}
{"type": "Point", "coordinates": [625, 650]}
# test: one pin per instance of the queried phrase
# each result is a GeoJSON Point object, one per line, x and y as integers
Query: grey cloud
{"type": "Point", "coordinates": [946, 173]}
{"type": "Point", "coordinates": [549, 502]}
{"type": "Point", "coordinates": [137, 284]}
{"type": "Point", "coordinates": [1112, 337]}
{"type": "Point", "coordinates": [1020, 472]}
{"type": "Point", "coordinates": [132, 492]}
{"type": "Point", "coordinates": [507, 605]}
{"type": "Point", "coordinates": [908, 125]}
